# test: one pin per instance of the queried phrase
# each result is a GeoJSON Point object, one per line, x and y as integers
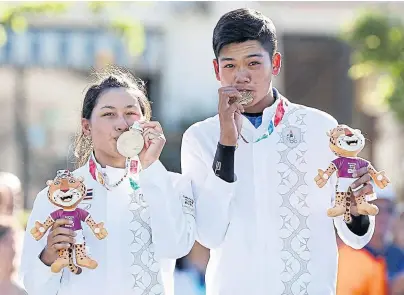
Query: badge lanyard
{"type": "Point", "coordinates": [132, 169]}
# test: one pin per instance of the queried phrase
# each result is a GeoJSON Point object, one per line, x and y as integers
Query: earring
{"type": "Point", "coordinates": [87, 142]}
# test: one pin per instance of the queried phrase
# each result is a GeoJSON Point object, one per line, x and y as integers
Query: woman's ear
{"type": "Point", "coordinates": [85, 127]}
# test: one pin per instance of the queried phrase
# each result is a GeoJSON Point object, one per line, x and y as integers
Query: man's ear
{"type": "Point", "coordinates": [276, 64]}
{"type": "Point", "coordinates": [216, 68]}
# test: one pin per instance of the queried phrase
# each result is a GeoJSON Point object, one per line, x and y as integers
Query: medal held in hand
{"type": "Point", "coordinates": [246, 98]}
{"type": "Point", "coordinates": [131, 142]}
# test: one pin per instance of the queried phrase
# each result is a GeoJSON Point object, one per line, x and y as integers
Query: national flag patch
{"type": "Point", "coordinates": [89, 194]}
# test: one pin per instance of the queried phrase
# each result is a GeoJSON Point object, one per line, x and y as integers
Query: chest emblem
{"type": "Point", "coordinates": [292, 136]}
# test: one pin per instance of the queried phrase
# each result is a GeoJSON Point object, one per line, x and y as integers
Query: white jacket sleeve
{"type": "Point", "coordinates": [213, 195]}
{"type": "Point", "coordinates": [348, 237]}
{"type": "Point", "coordinates": [172, 211]}
{"type": "Point", "coordinates": [36, 277]}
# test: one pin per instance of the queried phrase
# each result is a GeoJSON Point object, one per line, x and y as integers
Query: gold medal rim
{"type": "Point", "coordinates": [246, 99]}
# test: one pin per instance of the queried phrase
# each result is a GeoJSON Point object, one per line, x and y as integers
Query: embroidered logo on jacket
{"type": "Point", "coordinates": [188, 205]}
{"type": "Point", "coordinates": [292, 136]}
{"type": "Point", "coordinates": [86, 203]}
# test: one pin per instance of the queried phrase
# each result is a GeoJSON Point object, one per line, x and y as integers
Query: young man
{"type": "Point", "coordinates": [272, 234]}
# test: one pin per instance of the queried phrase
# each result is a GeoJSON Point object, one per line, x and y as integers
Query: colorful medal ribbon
{"type": "Point", "coordinates": [276, 118]}
{"type": "Point", "coordinates": [132, 169]}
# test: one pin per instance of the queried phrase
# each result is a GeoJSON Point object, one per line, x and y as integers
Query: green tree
{"type": "Point", "coordinates": [377, 40]}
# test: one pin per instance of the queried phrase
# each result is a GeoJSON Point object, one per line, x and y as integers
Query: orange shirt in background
{"type": "Point", "coordinates": [361, 273]}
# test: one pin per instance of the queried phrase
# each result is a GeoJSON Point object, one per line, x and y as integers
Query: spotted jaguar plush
{"type": "Point", "coordinates": [346, 143]}
{"type": "Point", "coordinates": [66, 192]}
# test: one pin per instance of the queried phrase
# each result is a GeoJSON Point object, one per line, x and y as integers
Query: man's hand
{"type": "Point", "coordinates": [363, 180]}
{"type": "Point", "coordinates": [366, 189]}
{"type": "Point", "coordinates": [154, 143]}
{"type": "Point", "coordinates": [229, 115]}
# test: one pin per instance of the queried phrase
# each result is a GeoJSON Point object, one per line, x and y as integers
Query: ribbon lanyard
{"type": "Point", "coordinates": [276, 118]}
{"type": "Point", "coordinates": [132, 169]}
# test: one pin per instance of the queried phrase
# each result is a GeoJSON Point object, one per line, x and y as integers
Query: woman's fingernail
{"type": "Point", "coordinates": [354, 174]}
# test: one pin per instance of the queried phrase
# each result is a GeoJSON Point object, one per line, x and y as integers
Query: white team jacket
{"type": "Point", "coordinates": [274, 236]}
{"type": "Point", "coordinates": [138, 255]}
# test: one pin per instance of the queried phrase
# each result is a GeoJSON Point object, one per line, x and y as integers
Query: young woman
{"type": "Point", "coordinates": [147, 228]}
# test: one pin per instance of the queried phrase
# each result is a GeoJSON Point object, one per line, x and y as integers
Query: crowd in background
{"type": "Point", "coordinates": [377, 269]}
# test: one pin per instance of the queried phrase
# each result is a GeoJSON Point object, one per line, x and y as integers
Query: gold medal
{"type": "Point", "coordinates": [131, 142]}
{"type": "Point", "coordinates": [246, 97]}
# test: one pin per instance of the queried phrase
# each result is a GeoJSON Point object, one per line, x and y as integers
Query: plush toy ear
{"type": "Point", "coordinates": [49, 182]}
{"type": "Point", "coordinates": [357, 130]}
{"type": "Point", "coordinates": [80, 179]}
{"type": "Point", "coordinates": [328, 133]}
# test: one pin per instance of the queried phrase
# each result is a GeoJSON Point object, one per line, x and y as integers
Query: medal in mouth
{"type": "Point", "coordinates": [131, 142]}
{"type": "Point", "coordinates": [246, 97]}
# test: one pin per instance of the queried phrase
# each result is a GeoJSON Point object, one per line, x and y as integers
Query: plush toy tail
{"type": "Point", "coordinates": [72, 267]}
{"type": "Point", "coordinates": [348, 202]}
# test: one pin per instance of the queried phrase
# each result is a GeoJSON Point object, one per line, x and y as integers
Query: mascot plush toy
{"type": "Point", "coordinates": [346, 143]}
{"type": "Point", "coordinates": [66, 192]}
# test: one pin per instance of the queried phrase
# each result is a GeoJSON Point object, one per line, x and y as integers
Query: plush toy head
{"type": "Point", "coordinates": [346, 141]}
{"type": "Point", "coordinates": [65, 190]}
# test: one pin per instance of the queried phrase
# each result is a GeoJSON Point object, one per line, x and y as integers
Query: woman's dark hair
{"type": "Point", "coordinates": [110, 77]}
{"type": "Point", "coordinates": [241, 25]}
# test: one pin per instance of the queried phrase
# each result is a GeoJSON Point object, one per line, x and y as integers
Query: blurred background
{"type": "Point", "coordinates": [346, 58]}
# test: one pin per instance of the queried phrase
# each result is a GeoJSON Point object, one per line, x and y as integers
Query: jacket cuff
{"type": "Point", "coordinates": [154, 180]}
{"type": "Point", "coordinates": [154, 175]}
{"type": "Point", "coordinates": [351, 239]}
{"type": "Point", "coordinates": [224, 191]}
{"type": "Point", "coordinates": [42, 270]}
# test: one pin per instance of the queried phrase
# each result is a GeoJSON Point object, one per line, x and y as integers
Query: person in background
{"type": "Point", "coordinates": [10, 193]}
{"type": "Point", "coordinates": [367, 271]}
{"type": "Point", "coordinates": [6, 200]}
{"type": "Point", "coordinates": [11, 205]}
{"type": "Point", "coordinates": [395, 256]}
{"type": "Point", "coordinates": [8, 228]}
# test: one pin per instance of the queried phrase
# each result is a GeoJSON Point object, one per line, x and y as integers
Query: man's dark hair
{"type": "Point", "coordinates": [244, 24]}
